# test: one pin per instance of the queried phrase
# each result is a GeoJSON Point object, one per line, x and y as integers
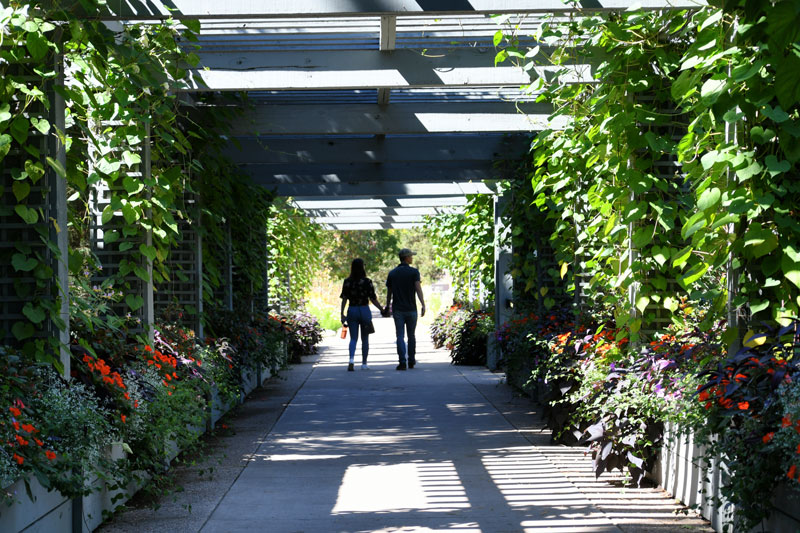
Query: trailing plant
{"type": "Point", "coordinates": [747, 399]}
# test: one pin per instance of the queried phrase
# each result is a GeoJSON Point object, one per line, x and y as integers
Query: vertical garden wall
{"type": "Point", "coordinates": [133, 272]}
{"type": "Point", "coordinates": [669, 207]}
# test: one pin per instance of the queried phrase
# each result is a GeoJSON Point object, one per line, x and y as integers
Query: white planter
{"type": "Point", "coordinates": [48, 512]}
{"type": "Point", "coordinates": [678, 471]}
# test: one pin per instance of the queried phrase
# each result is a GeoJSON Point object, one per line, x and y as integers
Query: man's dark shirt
{"type": "Point", "coordinates": [401, 282]}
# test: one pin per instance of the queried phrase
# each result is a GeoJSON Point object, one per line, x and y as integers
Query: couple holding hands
{"type": "Point", "coordinates": [402, 284]}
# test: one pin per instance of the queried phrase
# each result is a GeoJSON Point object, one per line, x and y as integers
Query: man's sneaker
{"type": "Point", "coordinates": [364, 367]}
{"type": "Point", "coordinates": [401, 366]}
{"type": "Point", "coordinates": [411, 365]}
{"type": "Point", "coordinates": [350, 367]}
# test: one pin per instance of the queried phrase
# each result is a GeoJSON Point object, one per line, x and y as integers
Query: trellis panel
{"type": "Point", "coordinates": [184, 289]}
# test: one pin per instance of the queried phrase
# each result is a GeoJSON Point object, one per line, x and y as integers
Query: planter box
{"type": "Point", "coordinates": [678, 471]}
{"type": "Point", "coordinates": [249, 381]}
{"type": "Point", "coordinates": [48, 512]}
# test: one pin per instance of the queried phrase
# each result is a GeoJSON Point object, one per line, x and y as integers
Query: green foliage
{"type": "Point", "coordinates": [463, 244]}
{"type": "Point", "coordinates": [294, 251]}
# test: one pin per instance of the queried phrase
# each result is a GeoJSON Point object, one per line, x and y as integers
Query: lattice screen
{"type": "Point", "coordinates": [19, 241]}
{"type": "Point", "coordinates": [112, 254]}
{"type": "Point", "coordinates": [185, 264]}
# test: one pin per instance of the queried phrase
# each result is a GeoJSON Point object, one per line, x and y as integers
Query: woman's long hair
{"type": "Point", "coordinates": [357, 271]}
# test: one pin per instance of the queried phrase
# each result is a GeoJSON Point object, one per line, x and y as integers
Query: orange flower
{"type": "Point", "coordinates": [29, 428]}
{"type": "Point", "coordinates": [786, 421]}
{"type": "Point", "coordinates": [703, 396]}
{"type": "Point", "coordinates": [768, 437]}
{"type": "Point", "coordinates": [21, 441]}
{"type": "Point", "coordinates": [148, 348]}
{"type": "Point", "coordinates": [50, 455]}
{"type": "Point", "coordinates": [15, 411]}
{"type": "Point", "coordinates": [798, 448]}
{"type": "Point", "coordinates": [16, 425]}
{"type": "Point", "coordinates": [40, 443]}
{"type": "Point", "coordinates": [123, 418]}
{"type": "Point", "coordinates": [791, 473]}
{"type": "Point", "coordinates": [19, 459]}
{"type": "Point", "coordinates": [744, 406]}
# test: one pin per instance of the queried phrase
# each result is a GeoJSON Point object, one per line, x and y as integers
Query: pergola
{"type": "Point", "coordinates": [371, 114]}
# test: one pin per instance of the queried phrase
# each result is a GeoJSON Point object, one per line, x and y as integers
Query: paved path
{"type": "Point", "coordinates": [436, 448]}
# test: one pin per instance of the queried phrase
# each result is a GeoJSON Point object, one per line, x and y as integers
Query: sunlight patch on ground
{"type": "Point", "coordinates": [400, 488]}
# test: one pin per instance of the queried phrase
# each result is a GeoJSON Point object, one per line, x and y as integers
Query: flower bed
{"type": "Point", "coordinates": [465, 333]}
{"type": "Point", "coordinates": [739, 415]}
{"type": "Point", "coordinates": [146, 402]}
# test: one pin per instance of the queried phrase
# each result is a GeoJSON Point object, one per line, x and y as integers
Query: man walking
{"type": "Point", "coordinates": [401, 285]}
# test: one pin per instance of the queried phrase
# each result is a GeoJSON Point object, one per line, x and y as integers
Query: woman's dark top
{"type": "Point", "coordinates": [358, 291]}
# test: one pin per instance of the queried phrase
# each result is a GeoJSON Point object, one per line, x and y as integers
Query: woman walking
{"type": "Point", "coordinates": [359, 291]}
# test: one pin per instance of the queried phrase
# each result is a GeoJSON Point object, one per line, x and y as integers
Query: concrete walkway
{"type": "Point", "coordinates": [436, 448]}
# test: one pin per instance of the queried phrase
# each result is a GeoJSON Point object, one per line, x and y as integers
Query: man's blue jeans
{"type": "Point", "coordinates": [406, 320]}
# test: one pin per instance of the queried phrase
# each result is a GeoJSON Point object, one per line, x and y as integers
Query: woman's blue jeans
{"type": "Point", "coordinates": [358, 316]}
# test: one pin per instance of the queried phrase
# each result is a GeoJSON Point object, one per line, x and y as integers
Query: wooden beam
{"type": "Point", "coordinates": [248, 9]}
{"type": "Point", "coordinates": [377, 189]}
{"type": "Point", "coordinates": [372, 119]}
{"type": "Point", "coordinates": [388, 205]}
{"type": "Point", "coordinates": [245, 70]}
{"type": "Point", "coordinates": [433, 149]}
{"type": "Point", "coordinates": [398, 172]}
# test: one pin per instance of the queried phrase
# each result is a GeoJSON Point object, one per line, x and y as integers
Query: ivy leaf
{"type": "Point", "coordinates": [41, 124]}
{"type": "Point", "coordinates": [37, 45]}
{"type": "Point", "coordinates": [134, 301]}
{"type": "Point", "coordinates": [791, 270]}
{"type": "Point", "coordinates": [131, 158]}
{"type": "Point", "coordinates": [57, 166]}
{"type": "Point", "coordinates": [23, 263]}
{"type": "Point", "coordinates": [643, 236]}
{"type": "Point", "coordinates": [4, 112]}
{"type": "Point", "coordinates": [22, 330]}
{"type": "Point", "coordinates": [641, 303]}
{"type": "Point", "coordinates": [680, 257]}
{"type": "Point", "coordinates": [132, 185]}
{"type": "Point", "coordinates": [775, 167]}
{"type": "Point", "coordinates": [753, 169]}
{"type": "Point", "coordinates": [29, 215]}
{"type": "Point", "coordinates": [755, 307]}
{"type": "Point", "coordinates": [148, 251]}
{"type": "Point", "coordinates": [775, 113]}
{"type": "Point", "coordinates": [34, 313]}
{"type": "Point", "coordinates": [709, 198]}
{"type": "Point", "coordinates": [5, 145]}
{"type": "Point", "coordinates": [21, 190]}
{"type": "Point", "coordinates": [713, 88]}
{"type": "Point", "coordinates": [107, 215]}
{"type": "Point", "coordinates": [19, 129]}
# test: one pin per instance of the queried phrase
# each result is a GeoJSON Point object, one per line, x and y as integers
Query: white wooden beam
{"type": "Point", "coordinates": [432, 149]}
{"type": "Point", "coordinates": [376, 189]}
{"type": "Point", "coordinates": [243, 70]}
{"type": "Point", "coordinates": [356, 173]}
{"type": "Point", "coordinates": [249, 9]}
{"type": "Point", "coordinates": [387, 205]}
{"type": "Point", "coordinates": [372, 119]}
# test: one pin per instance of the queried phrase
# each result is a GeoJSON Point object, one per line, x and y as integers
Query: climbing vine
{"type": "Point", "coordinates": [464, 246]}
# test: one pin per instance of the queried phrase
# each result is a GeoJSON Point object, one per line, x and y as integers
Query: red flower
{"type": "Point", "coordinates": [148, 348]}
{"type": "Point", "coordinates": [786, 421]}
{"type": "Point", "coordinates": [50, 455]}
{"type": "Point", "coordinates": [15, 411]}
{"type": "Point", "coordinates": [703, 396]}
{"type": "Point", "coordinates": [19, 459]}
{"type": "Point", "coordinates": [40, 443]}
{"type": "Point", "coordinates": [791, 473]}
{"type": "Point", "coordinates": [29, 428]}
{"type": "Point", "coordinates": [744, 406]}
{"type": "Point", "coordinates": [22, 442]}
{"type": "Point", "coordinates": [123, 418]}
{"type": "Point", "coordinates": [768, 437]}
